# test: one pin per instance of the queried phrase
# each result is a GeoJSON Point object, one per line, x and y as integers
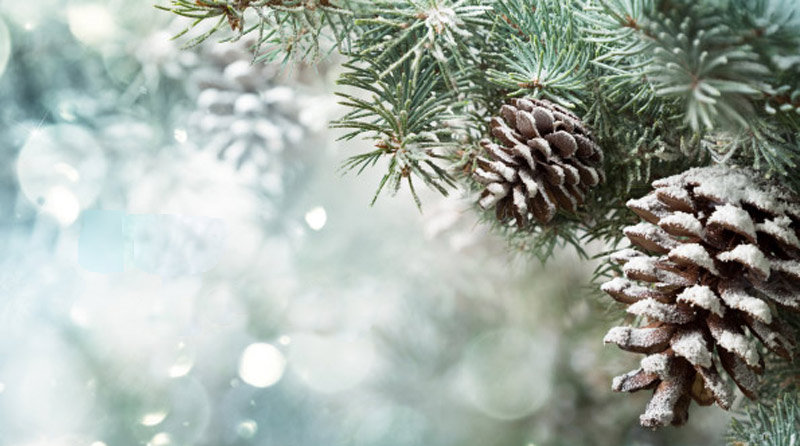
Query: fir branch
{"type": "Point", "coordinates": [772, 424]}
{"type": "Point", "coordinates": [545, 54]}
{"type": "Point", "coordinates": [402, 117]}
{"type": "Point", "coordinates": [301, 29]}
{"type": "Point", "coordinates": [400, 31]}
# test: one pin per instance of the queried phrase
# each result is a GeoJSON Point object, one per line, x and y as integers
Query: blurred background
{"type": "Point", "coordinates": [181, 263]}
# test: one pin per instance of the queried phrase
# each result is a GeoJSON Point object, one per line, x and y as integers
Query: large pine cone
{"type": "Point", "coordinates": [719, 258]}
{"type": "Point", "coordinates": [546, 160]}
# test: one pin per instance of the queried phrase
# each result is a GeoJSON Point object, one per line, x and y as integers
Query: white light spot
{"type": "Point", "coordinates": [331, 364]}
{"type": "Point", "coordinates": [29, 26]}
{"type": "Point", "coordinates": [183, 365]}
{"type": "Point", "coordinates": [91, 23]}
{"type": "Point", "coordinates": [62, 167]}
{"type": "Point", "coordinates": [79, 316]}
{"type": "Point", "coordinates": [261, 365]}
{"type": "Point", "coordinates": [67, 171]}
{"type": "Point", "coordinates": [98, 443]}
{"type": "Point", "coordinates": [153, 418]}
{"type": "Point", "coordinates": [247, 429]}
{"type": "Point", "coordinates": [316, 218]}
{"type": "Point", "coordinates": [285, 340]}
{"type": "Point", "coordinates": [505, 373]}
{"type": "Point", "coordinates": [62, 204]}
{"type": "Point", "coordinates": [2, 387]}
{"type": "Point", "coordinates": [160, 439]}
{"type": "Point", "coordinates": [180, 135]}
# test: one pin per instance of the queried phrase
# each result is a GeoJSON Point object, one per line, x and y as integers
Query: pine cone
{"type": "Point", "coordinates": [723, 258]}
{"type": "Point", "coordinates": [546, 160]}
{"type": "Point", "coordinates": [242, 114]}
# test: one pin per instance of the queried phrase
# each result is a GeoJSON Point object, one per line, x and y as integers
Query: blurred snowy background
{"type": "Point", "coordinates": [181, 263]}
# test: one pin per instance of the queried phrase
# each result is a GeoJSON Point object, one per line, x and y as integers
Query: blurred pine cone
{"type": "Point", "coordinates": [244, 116]}
{"type": "Point", "coordinates": [546, 160]}
{"type": "Point", "coordinates": [720, 258]}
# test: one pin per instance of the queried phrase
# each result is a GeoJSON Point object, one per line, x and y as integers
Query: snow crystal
{"type": "Point", "coordinates": [618, 336]}
{"type": "Point", "coordinates": [739, 299]}
{"type": "Point", "coordinates": [773, 340]}
{"type": "Point", "coordinates": [692, 346]}
{"type": "Point", "coordinates": [781, 230]}
{"type": "Point", "coordinates": [542, 146]}
{"type": "Point", "coordinates": [508, 173]}
{"type": "Point", "coordinates": [620, 383]}
{"type": "Point", "coordinates": [526, 124]}
{"type": "Point", "coordinates": [683, 220]}
{"type": "Point", "coordinates": [658, 364]}
{"type": "Point", "coordinates": [790, 267]}
{"type": "Point", "coordinates": [648, 207]}
{"type": "Point", "coordinates": [525, 153]}
{"type": "Point", "coordinates": [529, 183]}
{"type": "Point", "coordinates": [781, 296]}
{"type": "Point", "coordinates": [734, 186]}
{"type": "Point", "coordinates": [672, 195]}
{"type": "Point", "coordinates": [488, 201]}
{"type": "Point", "coordinates": [734, 218]}
{"type": "Point", "coordinates": [737, 343]}
{"type": "Point", "coordinates": [661, 408]}
{"type": "Point", "coordinates": [703, 297]}
{"type": "Point", "coordinates": [743, 376]}
{"type": "Point", "coordinates": [624, 255]}
{"type": "Point", "coordinates": [642, 265]}
{"type": "Point", "coordinates": [659, 311]}
{"type": "Point", "coordinates": [695, 254]}
{"type": "Point", "coordinates": [721, 392]}
{"type": "Point", "coordinates": [637, 337]}
{"type": "Point", "coordinates": [650, 233]}
{"type": "Point", "coordinates": [616, 285]}
{"type": "Point", "coordinates": [498, 153]}
{"type": "Point", "coordinates": [748, 255]}
{"type": "Point", "coordinates": [499, 190]}
{"type": "Point", "coordinates": [519, 200]}
{"type": "Point", "coordinates": [486, 177]}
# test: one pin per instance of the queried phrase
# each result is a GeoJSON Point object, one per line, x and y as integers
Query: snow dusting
{"type": "Point", "coordinates": [738, 344]}
{"type": "Point", "coordinates": [789, 267]}
{"type": "Point", "coordinates": [692, 346]}
{"type": "Point", "coordinates": [702, 296]}
{"type": "Point", "coordinates": [658, 364]}
{"type": "Point", "coordinates": [735, 219]}
{"type": "Point", "coordinates": [780, 229]}
{"type": "Point", "coordinates": [685, 221]}
{"type": "Point", "coordinates": [693, 253]}
{"type": "Point", "coordinates": [659, 311]}
{"type": "Point", "coordinates": [641, 265]}
{"type": "Point", "coordinates": [739, 299]}
{"type": "Point", "coordinates": [750, 256]}
{"type": "Point", "coordinates": [624, 255]}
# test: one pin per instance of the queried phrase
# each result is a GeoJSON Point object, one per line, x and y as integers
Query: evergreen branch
{"type": "Point", "coordinates": [285, 28]}
{"type": "Point", "coordinates": [401, 116]}
{"type": "Point", "coordinates": [772, 424]}
{"type": "Point", "coordinates": [404, 30]}
{"type": "Point", "coordinates": [545, 54]}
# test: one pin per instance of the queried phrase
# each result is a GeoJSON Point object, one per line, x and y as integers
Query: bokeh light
{"type": "Point", "coordinates": [61, 169]}
{"type": "Point", "coordinates": [91, 23]}
{"type": "Point", "coordinates": [261, 365]}
{"type": "Point", "coordinates": [505, 373]}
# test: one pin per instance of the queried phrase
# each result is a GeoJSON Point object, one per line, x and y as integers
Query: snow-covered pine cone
{"type": "Point", "coordinates": [242, 114]}
{"type": "Point", "coordinates": [718, 257]}
{"type": "Point", "coordinates": [546, 160]}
